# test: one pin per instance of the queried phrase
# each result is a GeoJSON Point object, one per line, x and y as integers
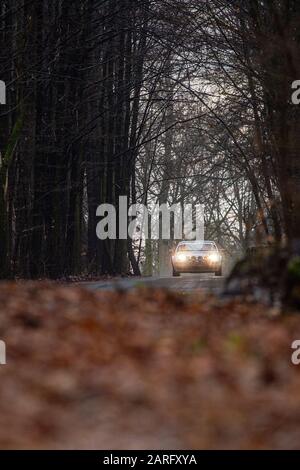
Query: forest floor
{"type": "Point", "coordinates": [145, 369]}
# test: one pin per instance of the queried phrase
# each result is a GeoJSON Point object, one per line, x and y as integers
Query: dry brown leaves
{"type": "Point", "coordinates": [144, 369]}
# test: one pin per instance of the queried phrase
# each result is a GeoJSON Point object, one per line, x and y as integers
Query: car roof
{"type": "Point", "coordinates": [205, 242]}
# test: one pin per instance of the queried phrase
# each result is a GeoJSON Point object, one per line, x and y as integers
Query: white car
{"type": "Point", "coordinates": [197, 257]}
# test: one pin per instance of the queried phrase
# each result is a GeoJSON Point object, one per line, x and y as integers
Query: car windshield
{"type": "Point", "coordinates": [196, 247]}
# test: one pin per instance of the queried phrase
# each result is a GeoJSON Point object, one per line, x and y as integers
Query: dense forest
{"type": "Point", "coordinates": [169, 101]}
{"type": "Point", "coordinates": [112, 340]}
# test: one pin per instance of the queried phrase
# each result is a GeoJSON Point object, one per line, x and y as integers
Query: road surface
{"type": "Point", "coordinates": [185, 283]}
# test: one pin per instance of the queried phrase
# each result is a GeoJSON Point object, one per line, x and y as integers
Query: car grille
{"type": "Point", "coordinates": [197, 259]}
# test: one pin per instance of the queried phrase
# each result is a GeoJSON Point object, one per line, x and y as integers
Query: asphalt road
{"type": "Point", "coordinates": [184, 283]}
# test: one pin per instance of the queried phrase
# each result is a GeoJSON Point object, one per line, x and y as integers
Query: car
{"type": "Point", "coordinates": [197, 257]}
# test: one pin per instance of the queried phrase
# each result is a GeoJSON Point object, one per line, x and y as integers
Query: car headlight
{"type": "Point", "coordinates": [181, 257]}
{"type": "Point", "coordinates": [214, 257]}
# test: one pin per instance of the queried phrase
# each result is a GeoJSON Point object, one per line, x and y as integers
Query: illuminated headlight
{"type": "Point", "coordinates": [214, 257]}
{"type": "Point", "coordinates": [181, 257]}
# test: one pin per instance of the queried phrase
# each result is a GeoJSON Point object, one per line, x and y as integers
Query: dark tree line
{"type": "Point", "coordinates": [159, 101]}
{"type": "Point", "coordinates": [74, 74]}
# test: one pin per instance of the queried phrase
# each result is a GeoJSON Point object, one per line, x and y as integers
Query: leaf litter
{"type": "Point", "coordinates": [144, 369]}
